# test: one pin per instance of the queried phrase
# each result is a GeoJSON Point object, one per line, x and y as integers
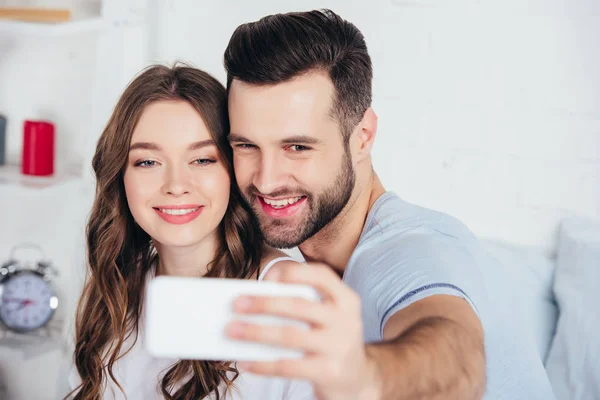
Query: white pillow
{"type": "Point", "coordinates": [531, 274]}
{"type": "Point", "coordinates": [573, 363]}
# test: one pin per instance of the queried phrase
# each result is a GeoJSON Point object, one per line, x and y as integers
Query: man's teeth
{"type": "Point", "coordinates": [175, 211]}
{"type": "Point", "coordinates": [282, 203]}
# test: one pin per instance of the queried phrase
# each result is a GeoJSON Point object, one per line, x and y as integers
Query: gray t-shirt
{"type": "Point", "coordinates": [406, 253]}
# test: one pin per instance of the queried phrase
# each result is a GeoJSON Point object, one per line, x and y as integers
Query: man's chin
{"type": "Point", "coordinates": [282, 239]}
{"type": "Point", "coordinates": [282, 233]}
{"type": "Point", "coordinates": [279, 243]}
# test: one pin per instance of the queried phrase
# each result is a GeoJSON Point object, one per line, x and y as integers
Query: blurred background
{"type": "Point", "coordinates": [488, 110]}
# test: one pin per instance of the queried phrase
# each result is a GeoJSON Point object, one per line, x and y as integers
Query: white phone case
{"type": "Point", "coordinates": [186, 318]}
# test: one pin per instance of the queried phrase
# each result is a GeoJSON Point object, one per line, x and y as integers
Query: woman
{"type": "Point", "coordinates": [166, 203]}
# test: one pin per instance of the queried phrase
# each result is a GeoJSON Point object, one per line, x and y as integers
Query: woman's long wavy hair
{"type": "Point", "coordinates": [120, 253]}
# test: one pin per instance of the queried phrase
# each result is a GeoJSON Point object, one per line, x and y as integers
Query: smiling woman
{"type": "Point", "coordinates": [166, 204]}
{"type": "Point", "coordinates": [176, 176]}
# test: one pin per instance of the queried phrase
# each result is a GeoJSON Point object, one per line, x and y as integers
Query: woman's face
{"type": "Point", "coordinates": [176, 184]}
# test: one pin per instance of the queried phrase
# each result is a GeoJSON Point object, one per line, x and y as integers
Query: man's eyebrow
{"type": "Point", "coordinates": [300, 139]}
{"type": "Point", "coordinates": [234, 137]}
{"type": "Point", "coordinates": [296, 139]}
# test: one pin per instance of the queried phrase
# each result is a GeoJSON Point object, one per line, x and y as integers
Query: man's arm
{"type": "Point", "coordinates": [432, 349]}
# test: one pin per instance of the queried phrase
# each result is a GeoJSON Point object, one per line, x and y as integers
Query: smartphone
{"type": "Point", "coordinates": [185, 318]}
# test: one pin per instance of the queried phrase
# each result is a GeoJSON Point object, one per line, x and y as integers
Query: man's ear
{"type": "Point", "coordinates": [365, 133]}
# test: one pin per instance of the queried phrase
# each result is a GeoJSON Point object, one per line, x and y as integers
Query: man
{"type": "Point", "coordinates": [408, 281]}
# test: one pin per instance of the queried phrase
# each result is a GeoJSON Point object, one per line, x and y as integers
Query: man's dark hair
{"type": "Point", "coordinates": [279, 47]}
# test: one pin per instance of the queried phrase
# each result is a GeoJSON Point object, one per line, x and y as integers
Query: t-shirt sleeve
{"type": "Point", "coordinates": [398, 269]}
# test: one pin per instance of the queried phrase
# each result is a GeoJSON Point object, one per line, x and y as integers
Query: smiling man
{"type": "Point", "coordinates": [407, 312]}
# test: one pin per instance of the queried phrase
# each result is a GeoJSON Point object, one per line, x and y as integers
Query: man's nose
{"type": "Point", "coordinates": [272, 174]}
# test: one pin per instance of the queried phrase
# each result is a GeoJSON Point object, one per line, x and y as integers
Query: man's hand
{"type": "Point", "coordinates": [336, 360]}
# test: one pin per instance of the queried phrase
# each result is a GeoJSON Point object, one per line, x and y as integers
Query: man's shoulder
{"type": "Point", "coordinates": [404, 239]}
{"type": "Point", "coordinates": [392, 218]}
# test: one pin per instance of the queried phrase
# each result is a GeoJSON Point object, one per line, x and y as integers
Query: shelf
{"type": "Point", "coordinates": [11, 175]}
{"type": "Point", "coordinates": [31, 345]}
{"type": "Point", "coordinates": [52, 29]}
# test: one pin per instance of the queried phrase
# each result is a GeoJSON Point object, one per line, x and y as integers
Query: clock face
{"type": "Point", "coordinates": [27, 302]}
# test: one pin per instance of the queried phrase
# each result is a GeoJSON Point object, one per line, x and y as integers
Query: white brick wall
{"type": "Point", "coordinates": [501, 107]}
{"type": "Point", "coordinates": [489, 110]}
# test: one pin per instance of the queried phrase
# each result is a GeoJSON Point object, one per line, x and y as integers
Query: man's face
{"type": "Point", "coordinates": [289, 156]}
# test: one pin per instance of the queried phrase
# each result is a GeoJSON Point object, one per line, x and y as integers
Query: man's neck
{"type": "Point", "coordinates": [336, 242]}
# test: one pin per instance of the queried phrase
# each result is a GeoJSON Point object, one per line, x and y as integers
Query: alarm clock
{"type": "Point", "coordinates": [27, 300]}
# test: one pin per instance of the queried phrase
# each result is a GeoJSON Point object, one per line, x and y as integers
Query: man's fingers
{"type": "Point", "coordinates": [286, 336]}
{"type": "Point", "coordinates": [306, 368]}
{"type": "Point", "coordinates": [314, 313]}
{"type": "Point", "coordinates": [317, 275]}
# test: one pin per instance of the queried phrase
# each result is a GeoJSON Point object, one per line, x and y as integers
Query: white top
{"type": "Point", "coordinates": [267, 267]}
{"type": "Point", "coordinates": [140, 375]}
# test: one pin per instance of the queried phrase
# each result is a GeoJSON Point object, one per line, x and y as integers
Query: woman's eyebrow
{"type": "Point", "coordinates": [153, 146]}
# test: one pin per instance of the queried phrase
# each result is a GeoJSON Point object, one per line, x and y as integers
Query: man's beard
{"type": "Point", "coordinates": [323, 208]}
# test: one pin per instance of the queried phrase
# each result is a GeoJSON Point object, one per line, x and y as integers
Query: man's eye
{"type": "Point", "coordinates": [298, 148]}
{"type": "Point", "coordinates": [245, 146]}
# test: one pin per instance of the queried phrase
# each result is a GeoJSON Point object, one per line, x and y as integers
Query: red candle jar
{"type": "Point", "coordinates": [38, 148]}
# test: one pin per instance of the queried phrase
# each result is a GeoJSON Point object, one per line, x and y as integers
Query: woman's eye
{"type": "Point", "coordinates": [145, 163]}
{"type": "Point", "coordinates": [204, 161]}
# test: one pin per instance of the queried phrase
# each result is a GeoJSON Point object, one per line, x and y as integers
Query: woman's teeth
{"type": "Point", "coordinates": [174, 211]}
{"type": "Point", "coordinates": [282, 203]}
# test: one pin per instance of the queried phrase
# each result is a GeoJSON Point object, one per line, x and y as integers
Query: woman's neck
{"type": "Point", "coordinates": [186, 260]}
